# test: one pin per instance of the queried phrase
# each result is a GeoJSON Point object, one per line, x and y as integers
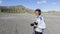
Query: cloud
{"type": "Point", "coordinates": [38, 2]}
{"type": "Point", "coordinates": [41, 2]}
{"type": "Point", "coordinates": [54, 3]}
{"type": "Point", "coordinates": [44, 1]}
{"type": "Point", "coordinates": [0, 1]}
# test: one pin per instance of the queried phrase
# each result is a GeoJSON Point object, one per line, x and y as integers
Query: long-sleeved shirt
{"type": "Point", "coordinates": [41, 23]}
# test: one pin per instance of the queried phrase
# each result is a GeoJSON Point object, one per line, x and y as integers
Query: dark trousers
{"type": "Point", "coordinates": [38, 32]}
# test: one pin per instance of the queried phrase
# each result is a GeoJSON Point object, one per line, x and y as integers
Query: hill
{"type": "Point", "coordinates": [15, 9]}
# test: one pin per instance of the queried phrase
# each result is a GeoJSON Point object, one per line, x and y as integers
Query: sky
{"type": "Point", "coordinates": [44, 5]}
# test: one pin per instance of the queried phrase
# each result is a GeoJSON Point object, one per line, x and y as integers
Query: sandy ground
{"type": "Point", "coordinates": [20, 23]}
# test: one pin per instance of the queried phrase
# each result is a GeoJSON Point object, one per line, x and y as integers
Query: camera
{"type": "Point", "coordinates": [32, 24]}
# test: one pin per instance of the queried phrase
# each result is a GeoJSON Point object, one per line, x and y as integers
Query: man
{"type": "Point", "coordinates": [39, 25]}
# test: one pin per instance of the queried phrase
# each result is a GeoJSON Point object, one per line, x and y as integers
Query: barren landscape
{"type": "Point", "coordinates": [20, 23]}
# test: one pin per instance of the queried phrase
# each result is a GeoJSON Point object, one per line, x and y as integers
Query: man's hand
{"type": "Point", "coordinates": [35, 26]}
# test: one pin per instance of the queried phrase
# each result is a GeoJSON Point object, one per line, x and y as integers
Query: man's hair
{"type": "Point", "coordinates": [38, 11]}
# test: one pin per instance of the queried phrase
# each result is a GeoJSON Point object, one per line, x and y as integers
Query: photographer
{"type": "Point", "coordinates": [39, 25]}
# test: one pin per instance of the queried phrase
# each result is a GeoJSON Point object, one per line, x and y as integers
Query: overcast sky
{"type": "Point", "coordinates": [44, 5]}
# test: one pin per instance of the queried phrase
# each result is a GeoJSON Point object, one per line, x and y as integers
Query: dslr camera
{"type": "Point", "coordinates": [34, 25]}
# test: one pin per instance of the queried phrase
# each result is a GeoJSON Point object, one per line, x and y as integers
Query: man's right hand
{"type": "Point", "coordinates": [35, 26]}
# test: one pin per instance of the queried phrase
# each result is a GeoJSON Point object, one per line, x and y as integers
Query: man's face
{"type": "Point", "coordinates": [36, 13]}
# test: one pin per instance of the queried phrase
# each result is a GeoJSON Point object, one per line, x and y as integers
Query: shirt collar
{"type": "Point", "coordinates": [38, 16]}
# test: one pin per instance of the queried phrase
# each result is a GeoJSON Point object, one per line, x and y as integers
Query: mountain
{"type": "Point", "coordinates": [15, 9]}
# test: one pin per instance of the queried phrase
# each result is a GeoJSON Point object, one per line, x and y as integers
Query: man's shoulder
{"type": "Point", "coordinates": [40, 17]}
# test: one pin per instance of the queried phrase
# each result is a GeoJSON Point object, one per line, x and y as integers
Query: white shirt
{"type": "Point", "coordinates": [41, 24]}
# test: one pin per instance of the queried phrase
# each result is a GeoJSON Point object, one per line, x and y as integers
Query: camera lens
{"type": "Point", "coordinates": [32, 24]}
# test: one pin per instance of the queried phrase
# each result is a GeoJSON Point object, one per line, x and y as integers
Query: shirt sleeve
{"type": "Point", "coordinates": [41, 23]}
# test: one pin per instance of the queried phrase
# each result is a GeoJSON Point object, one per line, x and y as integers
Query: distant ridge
{"type": "Point", "coordinates": [15, 9]}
